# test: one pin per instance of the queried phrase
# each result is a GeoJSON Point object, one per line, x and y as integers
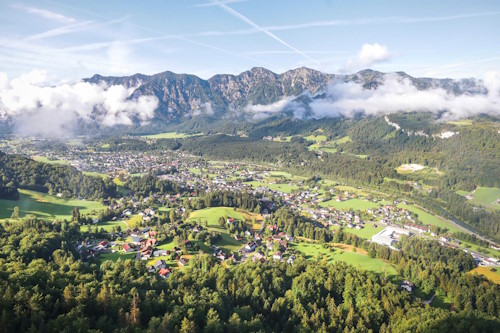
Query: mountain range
{"type": "Point", "coordinates": [184, 96]}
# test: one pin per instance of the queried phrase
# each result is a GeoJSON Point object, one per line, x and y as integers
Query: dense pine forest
{"type": "Point", "coordinates": [47, 288]}
{"type": "Point", "coordinates": [21, 172]}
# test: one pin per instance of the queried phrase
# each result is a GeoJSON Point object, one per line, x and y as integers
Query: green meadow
{"type": "Point", "coordinates": [46, 160]}
{"type": "Point", "coordinates": [285, 188]}
{"type": "Point", "coordinates": [367, 232]}
{"type": "Point", "coordinates": [355, 204]}
{"type": "Point", "coordinates": [487, 197]}
{"type": "Point", "coordinates": [428, 218]}
{"type": "Point", "coordinates": [169, 135]}
{"type": "Point", "coordinates": [212, 215]}
{"type": "Point", "coordinates": [106, 225]}
{"type": "Point", "coordinates": [312, 251]}
{"type": "Point", "coordinates": [47, 206]}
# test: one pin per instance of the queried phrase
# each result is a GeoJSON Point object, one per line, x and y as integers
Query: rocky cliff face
{"type": "Point", "coordinates": [182, 96]}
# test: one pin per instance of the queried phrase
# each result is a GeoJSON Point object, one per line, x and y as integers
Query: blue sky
{"type": "Point", "coordinates": [74, 39]}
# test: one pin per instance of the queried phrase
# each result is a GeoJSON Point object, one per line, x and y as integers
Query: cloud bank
{"type": "Point", "coordinates": [396, 94]}
{"type": "Point", "coordinates": [39, 109]}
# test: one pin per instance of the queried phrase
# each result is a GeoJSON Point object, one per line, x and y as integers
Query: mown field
{"type": "Point", "coordinates": [285, 188]}
{"type": "Point", "coordinates": [367, 232]}
{"type": "Point", "coordinates": [168, 135]}
{"type": "Point", "coordinates": [47, 206]}
{"type": "Point", "coordinates": [46, 160]}
{"type": "Point", "coordinates": [358, 259]}
{"type": "Point", "coordinates": [487, 197]}
{"type": "Point", "coordinates": [428, 218]}
{"type": "Point", "coordinates": [106, 225]}
{"type": "Point", "coordinates": [212, 215]}
{"type": "Point", "coordinates": [493, 276]}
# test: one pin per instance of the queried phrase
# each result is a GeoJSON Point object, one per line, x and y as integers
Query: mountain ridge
{"type": "Point", "coordinates": [184, 96]}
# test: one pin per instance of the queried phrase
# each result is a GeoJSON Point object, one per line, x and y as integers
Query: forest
{"type": "Point", "coordinates": [47, 288]}
{"type": "Point", "coordinates": [21, 172]}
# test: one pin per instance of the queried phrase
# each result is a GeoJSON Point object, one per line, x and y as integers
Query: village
{"type": "Point", "coordinates": [329, 204]}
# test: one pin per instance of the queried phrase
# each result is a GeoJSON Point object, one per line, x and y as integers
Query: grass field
{"type": "Point", "coordinates": [342, 140]}
{"type": "Point", "coordinates": [487, 196]}
{"type": "Point", "coordinates": [115, 256]}
{"type": "Point", "coordinates": [463, 122]}
{"type": "Point", "coordinates": [195, 171]}
{"type": "Point", "coordinates": [355, 204]}
{"type": "Point", "coordinates": [212, 215]}
{"type": "Point", "coordinates": [312, 251]}
{"type": "Point", "coordinates": [490, 275]}
{"type": "Point", "coordinates": [352, 189]}
{"type": "Point", "coordinates": [46, 160]}
{"type": "Point", "coordinates": [47, 206]}
{"type": "Point", "coordinates": [367, 232]}
{"type": "Point", "coordinates": [427, 218]}
{"type": "Point", "coordinates": [107, 225]}
{"type": "Point", "coordinates": [168, 135]}
{"type": "Point", "coordinates": [134, 221]}
{"type": "Point", "coordinates": [285, 188]}
{"type": "Point", "coordinates": [316, 138]}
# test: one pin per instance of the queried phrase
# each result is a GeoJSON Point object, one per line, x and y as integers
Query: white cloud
{"type": "Point", "coordinates": [47, 14]}
{"type": "Point", "coordinates": [211, 4]}
{"type": "Point", "coordinates": [203, 109]}
{"type": "Point", "coordinates": [67, 29]}
{"type": "Point", "coordinates": [269, 108]}
{"type": "Point", "coordinates": [262, 111]}
{"type": "Point", "coordinates": [37, 108]}
{"type": "Point", "coordinates": [396, 94]}
{"type": "Point", "coordinates": [370, 54]}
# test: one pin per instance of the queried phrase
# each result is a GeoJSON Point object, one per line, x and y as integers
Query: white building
{"type": "Point", "coordinates": [389, 236]}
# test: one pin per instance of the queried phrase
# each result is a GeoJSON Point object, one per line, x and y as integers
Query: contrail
{"type": "Point", "coordinates": [258, 27]}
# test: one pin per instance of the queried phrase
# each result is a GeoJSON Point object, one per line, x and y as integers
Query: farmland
{"type": "Point", "coordinates": [47, 206]}
{"type": "Point", "coordinates": [313, 251]}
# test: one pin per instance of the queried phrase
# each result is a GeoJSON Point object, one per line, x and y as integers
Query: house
{"type": "Point", "coordinates": [158, 264]}
{"type": "Point", "coordinates": [182, 262]}
{"type": "Point", "coordinates": [250, 246]}
{"type": "Point", "coordinates": [135, 239]}
{"type": "Point", "coordinates": [221, 256]}
{"type": "Point", "coordinates": [237, 237]}
{"type": "Point", "coordinates": [164, 273]}
{"type": "Point", "coordinates": [277, 255]}
{"type": "Point", "coordinates": [127, 248]}
{"type": "Point", "coordinates": [159, 253]}
{"type": "Point", "coordinates": [259, 256]}
{"type": "Point", "coordinates": [187, 242]}
{"type": "Point", "coordinates": [407, 285]}
{"type": "Point", "coordinates": [150, 242]}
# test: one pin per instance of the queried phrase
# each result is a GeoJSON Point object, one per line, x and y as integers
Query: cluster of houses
{"type": "Point", "coordinates": [392, 214]}
{"type": "Point", "coordinates": [278, 244]}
